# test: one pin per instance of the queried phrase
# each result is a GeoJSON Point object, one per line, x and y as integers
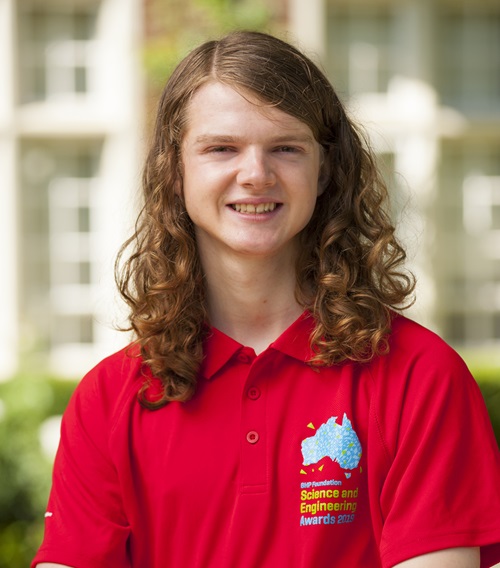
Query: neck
{"type": "Point", "coordinates": [253, 299]}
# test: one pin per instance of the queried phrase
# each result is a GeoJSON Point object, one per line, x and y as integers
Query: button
{"type": "Point", "coordinates": [252, 437]}
{"type": "Point", "coordinates": [253, 393]}
{"type": "Point", "coordinates": [243, 358]}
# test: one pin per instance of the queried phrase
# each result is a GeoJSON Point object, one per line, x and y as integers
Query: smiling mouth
{"type": "Point", "coordinates": [254, 209]}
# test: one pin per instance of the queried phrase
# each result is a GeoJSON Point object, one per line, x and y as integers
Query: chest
{"type": "Point", "coordinates": [279, 449]}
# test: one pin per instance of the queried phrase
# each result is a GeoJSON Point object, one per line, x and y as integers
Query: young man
{"type": "Point", "coordinates": [275, 410]}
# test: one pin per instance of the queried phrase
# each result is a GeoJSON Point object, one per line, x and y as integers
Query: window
{"type": "Point", "coordinates": [359, 49]}
{"type": "Point", "coordinates": [481, 199]}
{"type": "Point", "coordinates": [57, 53]}
{"type": "Point", "coordinates": [467, 262]}
{"type": "Point", "coordinates": [70, 254]}
{"type": "Point", "coordinates": [59, 204]}
{"type": "Point", "coordinates": [469, 60]}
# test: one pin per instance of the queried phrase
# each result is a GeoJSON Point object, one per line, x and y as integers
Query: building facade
{"type": "Point", "coordinates": [70, 115]}
{"type": "Point", "coordinates": [424, 77]}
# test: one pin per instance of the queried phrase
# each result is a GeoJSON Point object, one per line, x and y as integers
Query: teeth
{"type": "Point", "coordinates": [250, 208]}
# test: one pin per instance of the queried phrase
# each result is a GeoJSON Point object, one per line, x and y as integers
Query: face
{"type": "Point", "coordinates": [250, 174]}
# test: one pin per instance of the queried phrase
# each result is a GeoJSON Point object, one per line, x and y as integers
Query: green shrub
{"type": "Point", "coordinates": [488, 379]}
{"type": "Point", "coordinates": [25, 470]}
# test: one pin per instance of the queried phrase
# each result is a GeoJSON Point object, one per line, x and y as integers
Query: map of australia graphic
{"type": "Point", "coordinates": [339, 442]}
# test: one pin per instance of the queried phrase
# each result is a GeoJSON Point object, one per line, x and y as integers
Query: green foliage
{"type": "Point", "coordinates": [488, 379]}
{"type": "Point", "coordinates": [175, 27]}
{"type": "Point", "coordinates": [24, 469]}
{"type": "Point", "coordinates": [226, 15]}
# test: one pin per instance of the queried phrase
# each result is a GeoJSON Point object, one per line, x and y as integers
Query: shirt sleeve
{"type": "Point", "coordinates": [442, 484]}
{"type": "Point", "coordinates": [85, 525]}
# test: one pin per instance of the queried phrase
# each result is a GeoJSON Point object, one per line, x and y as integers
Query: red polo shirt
{"type": "Point", "coordinates": [274, 463]}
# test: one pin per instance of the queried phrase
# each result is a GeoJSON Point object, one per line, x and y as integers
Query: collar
{"type": "Point", "coordinates": [219, 348]}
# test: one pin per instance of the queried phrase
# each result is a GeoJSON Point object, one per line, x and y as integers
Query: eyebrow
{"type": "Point", "coordinates": [225, 139]}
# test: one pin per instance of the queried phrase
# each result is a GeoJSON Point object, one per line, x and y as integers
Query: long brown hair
{"type": "Point", "coordinates": [349, 271]}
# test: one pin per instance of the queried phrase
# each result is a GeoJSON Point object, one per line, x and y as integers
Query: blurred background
{"type": "Point", "coordinates": [79, 80]}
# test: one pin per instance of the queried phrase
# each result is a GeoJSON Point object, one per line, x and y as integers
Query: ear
{"type": "Point", "coordinates": [178, 183]}
{"type": "Point", "coordinates": [324, 178]}
{"type": "Point", "coordinates": [178, 186]}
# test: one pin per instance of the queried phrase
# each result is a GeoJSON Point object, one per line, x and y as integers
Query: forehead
{"type": "Point", "coordinates": [220, 106]}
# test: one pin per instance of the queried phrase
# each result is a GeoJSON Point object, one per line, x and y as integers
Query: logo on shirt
{"type": "Point", "coordinates": [332, 500]}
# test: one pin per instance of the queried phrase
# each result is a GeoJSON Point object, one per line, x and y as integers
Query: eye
{"type": "Point", "coordinates": [288, 149]}
{"type": "Point", "coordinates": [220, 149]}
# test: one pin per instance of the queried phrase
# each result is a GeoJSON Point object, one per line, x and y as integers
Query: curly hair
{"type": "Point", "coordinates": [349, 271]}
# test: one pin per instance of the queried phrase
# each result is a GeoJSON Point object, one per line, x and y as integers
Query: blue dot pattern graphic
{"type": "Point", "coordinates": [339, 442]}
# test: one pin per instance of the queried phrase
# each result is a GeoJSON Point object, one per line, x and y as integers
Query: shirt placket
{"type": "Point", "coordinates": [253, 427]}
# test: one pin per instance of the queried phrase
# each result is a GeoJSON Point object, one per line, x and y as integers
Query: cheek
{"type": "Point", "coordinates": [189, 202]}
{"type": "Point", "coordinates": [197, 198]}
{"type": "Point", "coordinates": [307, 207]}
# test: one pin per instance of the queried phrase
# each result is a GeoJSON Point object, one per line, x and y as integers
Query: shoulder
{"type": "Point", "coordinates": [410, 336]}
{"type": "Point", "coordinates": [420, 362]}
{"type": "Point", "coordinates": [114, 380]}
{"type": "Point", "coordinates": [413, 346]}
{"type": "Point", "coordinates": [115, 371]}
{"type": "Point", "coordinates": [422, 380]}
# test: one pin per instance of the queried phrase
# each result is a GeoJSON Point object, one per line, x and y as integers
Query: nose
{"type": "Point", "coordinates": [255, 170]}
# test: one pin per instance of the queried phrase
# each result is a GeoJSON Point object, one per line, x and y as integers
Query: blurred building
{"type": "Point", "coordinates": [70, 115]}
{"type": "Point", "coordinates": [424, 77]}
